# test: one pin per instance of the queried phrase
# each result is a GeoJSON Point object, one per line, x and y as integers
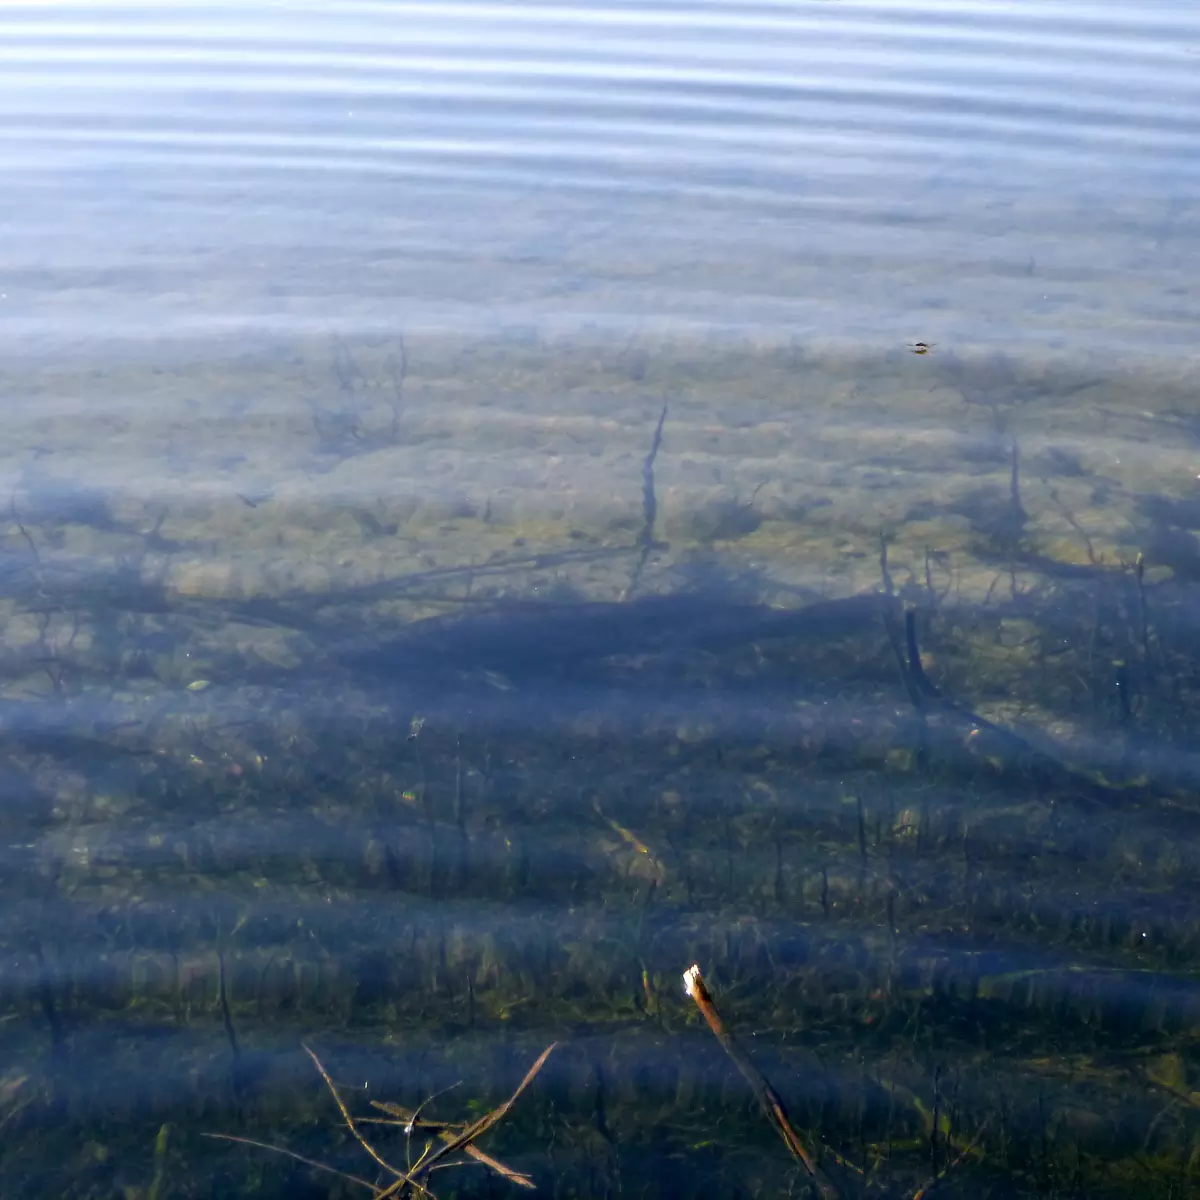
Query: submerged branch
{"type": "Point", "coordinates": [402, 1180]}
{"type": "Point", "coordinates": [410, 1120]}
{"type": "Point", "coordinates": [768, 1098]}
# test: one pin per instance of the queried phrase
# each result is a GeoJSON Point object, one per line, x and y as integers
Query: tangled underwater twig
{"type": "Point", "coordinates": [412, 1182]}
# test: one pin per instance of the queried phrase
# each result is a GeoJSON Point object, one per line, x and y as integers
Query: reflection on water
{"type": "Point", "coordinates": [478, 539]}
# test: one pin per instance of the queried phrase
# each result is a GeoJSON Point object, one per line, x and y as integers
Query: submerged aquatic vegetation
{"type": "Point", "coordinates": [935, 842]}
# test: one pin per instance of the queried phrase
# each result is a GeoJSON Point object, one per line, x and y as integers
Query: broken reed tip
{"type": "Point", "coordinates": [692, 980]}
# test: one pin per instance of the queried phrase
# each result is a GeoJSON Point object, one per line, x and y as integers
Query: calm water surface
{"type": "Point", "coordinates": [505, 501]}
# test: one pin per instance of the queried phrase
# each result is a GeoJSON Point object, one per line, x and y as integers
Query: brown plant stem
{"type": "Point", "coordinates": [767, 1096]}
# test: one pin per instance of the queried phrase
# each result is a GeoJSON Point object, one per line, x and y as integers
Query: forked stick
{"type": "Point", "coordinates": [402, 1180]}
{"type": "Point", "coordinates": [460, 1141]}
{"type": "Point", "coordinates": [408, 1120]}
{"type": "Point", "coordinates": [926, 1189]}
{"type": "Point", "coordinates": [767, 1096]}
{"type": "Point", "coordinates": [455, 1139]}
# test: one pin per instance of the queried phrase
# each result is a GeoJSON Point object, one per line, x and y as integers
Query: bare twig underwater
{"type": "Point", "coordinates": [357, 423]}
{"type": "Point", "coordinates": [771, 1104]}
{"type": "Point", "coordinates": [971, 1148]}
{"type": "Point", "coordinates": [411, 1121]}
{"type": "Point", "coordinates": [472, 1132]}
{"type": "Point", "coordinates": [412, 1181]}
{"type": "Point", "coordinates": [773, 1107]}
{"type": "Point", "coordinates": [300, 1158]}
{"type": "Point", "coordinates": [649, 506]}
{"type": "Point", "coordinates": [396, 366]}
{"type": "Point", "coordinates": [768, 1098]}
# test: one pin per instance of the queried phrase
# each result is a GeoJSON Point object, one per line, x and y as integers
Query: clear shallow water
{"type": "Point", "coordinates": [372, 674]}
{"type": "Point", "coordinates": [840, 170]}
